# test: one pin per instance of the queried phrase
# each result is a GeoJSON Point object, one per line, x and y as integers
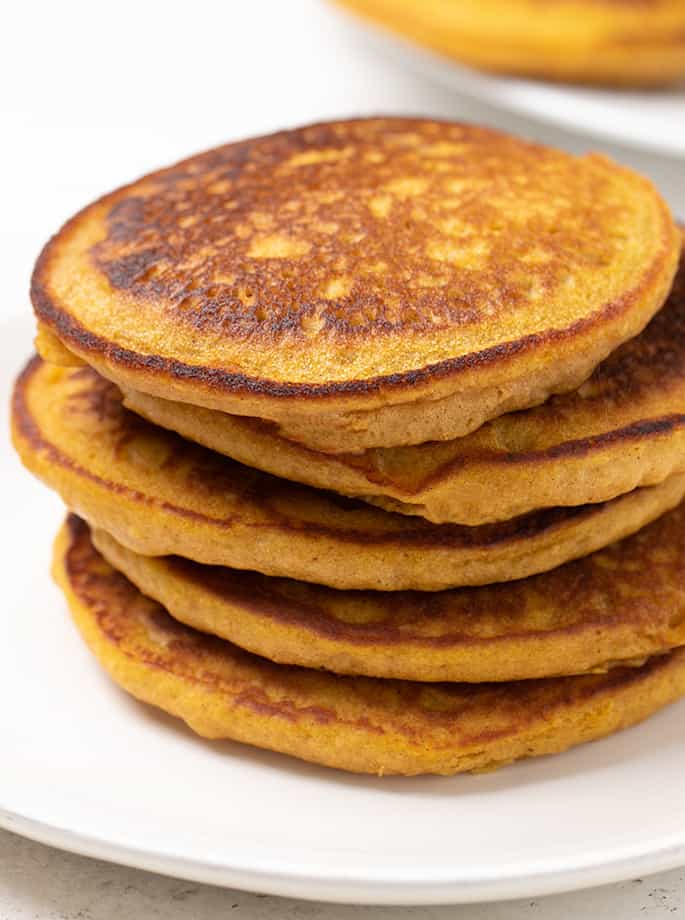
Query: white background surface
{"type": "Point", "coordinates": [91, 96]}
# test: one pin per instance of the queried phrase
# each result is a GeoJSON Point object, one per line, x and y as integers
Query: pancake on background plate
{"type": "Point", "coordinates": [355, 723]}
{"type": "Point", "coordinates": [612, 42]}
{"type": "Point", "coordinates": [624, 428]}
{"type": "Point", "coordinates": [361, 283]}
{"type": "Point", "coordinates": [159, 494]}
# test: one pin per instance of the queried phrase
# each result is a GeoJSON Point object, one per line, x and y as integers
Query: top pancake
{"type": "Point", "coordinates": [621, 42]}
{"type": "Point", "coordinates": [362, 283]}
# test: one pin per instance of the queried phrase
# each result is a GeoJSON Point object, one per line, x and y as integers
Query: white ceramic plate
{"type": "Point", "coordinates": [654, 120]}
{"type": "Point", "coordinates": [86, 768]}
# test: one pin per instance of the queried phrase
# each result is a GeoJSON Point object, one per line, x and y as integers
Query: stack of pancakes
{"type": "Point", "coordinates": [353, 418]}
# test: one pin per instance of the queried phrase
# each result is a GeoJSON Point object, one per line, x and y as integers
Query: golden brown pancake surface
{"type": "Point", "coordinates": [592, 614]}
{"type": "Point", "coordinates": [357, 724]}
{"type": "Point", "coordinates": [158, 495]}
{"type": "Point", "coordinates": [624, 428]}
{"type": "Point", "coordinates": [362, 283]}
{"type": "Point", "coordinates": [613, 42]}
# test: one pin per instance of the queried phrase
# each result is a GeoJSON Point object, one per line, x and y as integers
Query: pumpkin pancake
{"type": "Point", "coordinates": [613, 42]}
{"type": "Point", "coordinates": [624, 428]}
{"type": "Point", "coordinates": [159, 494]}
{"type": "Point", "coordinates": [587, 615]}
{"type": "Point", "coordinates": [359, 724]}
{"type": "Point", "coordinates": [362, 283]}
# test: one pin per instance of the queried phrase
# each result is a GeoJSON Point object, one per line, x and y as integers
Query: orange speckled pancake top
{"type": "Point", "coordinates": [358, 724]}
{"type": "Point", "coordinates": [351, 265]}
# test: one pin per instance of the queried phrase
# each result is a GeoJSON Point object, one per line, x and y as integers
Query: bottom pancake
{"type": "Point", "coordinates": [364, 725]}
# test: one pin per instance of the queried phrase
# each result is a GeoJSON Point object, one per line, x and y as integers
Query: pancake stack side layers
{"type": "Point", "coordinates": [368, 432]}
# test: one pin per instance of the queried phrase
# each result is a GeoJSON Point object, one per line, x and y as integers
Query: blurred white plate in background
{"type": "Point", "coordinates": [653, 120]}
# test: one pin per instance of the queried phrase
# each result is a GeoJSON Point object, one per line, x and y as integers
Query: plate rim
{"type": "Point", "coordinates": [312, 885]}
